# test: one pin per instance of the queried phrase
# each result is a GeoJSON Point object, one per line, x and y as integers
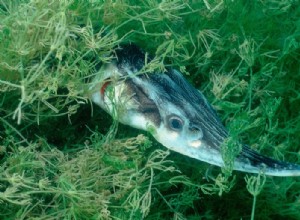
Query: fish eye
{"type": "Point", "coordinates": [175, 123]}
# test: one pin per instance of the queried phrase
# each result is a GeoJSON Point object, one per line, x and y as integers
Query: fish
{"type": "Point", "coordinates": [175, 113]}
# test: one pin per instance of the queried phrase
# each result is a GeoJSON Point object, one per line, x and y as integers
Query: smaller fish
{"type": "Point", "coordinates": [176, 114]}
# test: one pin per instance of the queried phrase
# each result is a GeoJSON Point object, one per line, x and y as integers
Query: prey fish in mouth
{"type": "Point", "coordinates": [178, 115]}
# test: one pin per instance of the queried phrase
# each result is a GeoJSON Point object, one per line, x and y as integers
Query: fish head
{"type": "Point", "coordinates": [164, 103]}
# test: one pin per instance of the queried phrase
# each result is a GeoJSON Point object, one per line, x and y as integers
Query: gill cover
{"type": "Point", "coordinates": [178, 115]}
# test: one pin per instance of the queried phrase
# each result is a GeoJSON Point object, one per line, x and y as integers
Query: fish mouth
{"type": "Point", "coordinates": [104, 87]}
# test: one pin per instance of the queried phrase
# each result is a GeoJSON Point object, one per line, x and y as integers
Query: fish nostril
{"type": "Point", "coordinates": [196, 131]}
{"type": "Point", "coordinates": [194, 128]}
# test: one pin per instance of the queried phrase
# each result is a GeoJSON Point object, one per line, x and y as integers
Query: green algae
{"type": "Point", "coordinates": [63, 158]}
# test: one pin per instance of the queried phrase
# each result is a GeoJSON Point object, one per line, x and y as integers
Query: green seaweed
{"type": "Point", "coordinates": [61, 157]}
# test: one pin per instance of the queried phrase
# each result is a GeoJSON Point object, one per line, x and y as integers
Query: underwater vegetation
{"type": "Point", "coordinates": [62, 157]}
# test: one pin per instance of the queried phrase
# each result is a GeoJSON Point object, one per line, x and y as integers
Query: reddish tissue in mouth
{"type": "Point", "coordinates": [102, 90]}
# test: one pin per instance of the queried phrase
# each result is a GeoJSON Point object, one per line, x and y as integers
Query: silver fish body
{"type": "Point", "coordinates": [176, 114]}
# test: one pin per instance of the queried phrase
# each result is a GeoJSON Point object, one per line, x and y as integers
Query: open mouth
{"type": "Point", "coordinates": [104, 87]}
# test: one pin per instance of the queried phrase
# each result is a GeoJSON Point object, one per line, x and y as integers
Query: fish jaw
{"type": "Point", "coordinates": [115, 97]}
